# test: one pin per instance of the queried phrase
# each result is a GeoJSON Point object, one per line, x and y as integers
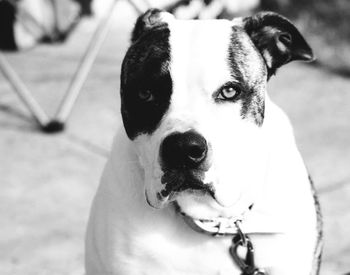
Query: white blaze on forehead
{"type": "Point", "coordinates": [199, 57]}
{"type": "Point", "coordinates": [199, 65]}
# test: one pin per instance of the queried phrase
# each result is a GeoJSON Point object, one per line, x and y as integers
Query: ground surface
{"type": "Point", "coordinates": [47, 181]}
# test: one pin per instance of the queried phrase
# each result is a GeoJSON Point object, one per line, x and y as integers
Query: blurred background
{"type": "Point", "coordinates": [59, 109]}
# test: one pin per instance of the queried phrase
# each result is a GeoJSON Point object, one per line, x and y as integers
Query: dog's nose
{"type": "Point", "coordinates": [183, 150]}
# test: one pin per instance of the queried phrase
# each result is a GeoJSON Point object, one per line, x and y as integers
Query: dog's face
{"type": "Point", "coordinates": [193, 102]}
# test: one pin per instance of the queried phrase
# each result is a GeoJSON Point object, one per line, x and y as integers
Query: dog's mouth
{"type": "Point", "coordinates": [215, 226]}
{"type": "Point", "coordinates": [198, 203]}
{"type": "Point", "coordinates": [191, 181]}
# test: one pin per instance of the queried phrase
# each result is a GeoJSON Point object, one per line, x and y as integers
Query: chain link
{"type": "Point", "coordinates": [247, 265]}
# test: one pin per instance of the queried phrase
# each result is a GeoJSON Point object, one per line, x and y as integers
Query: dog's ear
{"type": "Point", "coordinates": [277, 39]}
{"type": "Point", "coordinates": [147, 21]}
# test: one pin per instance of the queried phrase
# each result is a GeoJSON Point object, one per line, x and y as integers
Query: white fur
{"type": "Point", "coordinates": [249, 164]}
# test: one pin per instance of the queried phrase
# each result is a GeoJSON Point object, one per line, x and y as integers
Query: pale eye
{"type": "Point", "coordinates": [145, 95]}
{"type": "Point", "coordinates": [228, 93]}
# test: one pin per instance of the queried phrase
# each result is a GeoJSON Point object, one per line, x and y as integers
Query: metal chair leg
{"type": "Point", "coordinates": [67, 103]}
{"type": "Point", "coordinates": [84, 68]}
{"type": "Point", "coordinates": [24, 94]}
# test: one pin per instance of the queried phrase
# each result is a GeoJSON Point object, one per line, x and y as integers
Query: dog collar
{"type": "Point", "coordinates": [217, 227]}
{"type": "Point", "coordinates": [255, 224]}
{"type": "Point", "coordinates": [240, 240]}
{"type": "Point", "coordinates": [230, 227]}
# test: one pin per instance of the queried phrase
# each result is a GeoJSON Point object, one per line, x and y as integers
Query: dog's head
{"type": "Point", "coordinates": [193, 102]}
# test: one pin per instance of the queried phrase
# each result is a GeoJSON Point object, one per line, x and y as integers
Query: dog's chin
{"type": "Point", "coordinates": [194, 204]}
{"type": "Point", "coordinates": [205, 207]}
{"type": "Point", "coordinates": [200, 202]}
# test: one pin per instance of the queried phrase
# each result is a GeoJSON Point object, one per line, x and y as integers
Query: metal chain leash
{"type": "Point", "coordinates": [247, 264]}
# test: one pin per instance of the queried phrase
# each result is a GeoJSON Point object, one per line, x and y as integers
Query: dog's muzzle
{"type": "Point", "coordinates": [183, 158]}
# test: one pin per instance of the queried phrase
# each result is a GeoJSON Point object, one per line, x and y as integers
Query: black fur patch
{"type": "Point", "coordinates": [146, 22]}
{"type": "Point", "coordinates": [252, 95]}
{"type": "Point", "coordinates": [145, 72]}
{"type": "Point", "coordinates": [7, 20]}
{"type": "Point", "coordinates": [275, 34]}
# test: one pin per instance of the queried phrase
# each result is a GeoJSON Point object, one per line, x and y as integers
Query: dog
{"type": "Point", "coordinates": [206, 175]}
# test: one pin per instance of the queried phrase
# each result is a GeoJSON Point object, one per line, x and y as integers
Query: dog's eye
{"type": "Point", "coordinates": [145, 95]}
{"type": "Point", "coordinates": [229, 92]}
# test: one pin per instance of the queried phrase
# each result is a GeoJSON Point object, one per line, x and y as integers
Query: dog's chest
{"type": "Point", "coordinates": [171, 256]}
{"type": "Point", "coordinates": [199, 254]}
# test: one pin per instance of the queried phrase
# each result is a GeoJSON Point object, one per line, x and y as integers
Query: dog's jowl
{"type": "Point", "coordinates": [204, 155]}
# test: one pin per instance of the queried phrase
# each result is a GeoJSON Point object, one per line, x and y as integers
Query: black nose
{"type": "Point", "coordinates": [183, 150]}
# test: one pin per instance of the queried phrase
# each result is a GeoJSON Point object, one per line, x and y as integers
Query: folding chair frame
{"type": "Point", "coordinates": [57, 123]}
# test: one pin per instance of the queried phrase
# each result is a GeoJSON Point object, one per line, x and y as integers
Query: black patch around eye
{"type": "Point", "coordinates": [145, 70]}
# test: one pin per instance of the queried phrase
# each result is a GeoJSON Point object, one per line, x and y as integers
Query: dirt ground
{"type": "Point", "coordinates": [48, 181]}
